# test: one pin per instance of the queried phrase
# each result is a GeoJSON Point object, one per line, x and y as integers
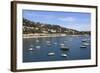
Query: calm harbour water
{"type": "Point", "coordinates": [42, 47]}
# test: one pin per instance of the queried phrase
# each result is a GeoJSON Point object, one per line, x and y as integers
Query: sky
{"type": "Point", "coordinates": [73, 20]}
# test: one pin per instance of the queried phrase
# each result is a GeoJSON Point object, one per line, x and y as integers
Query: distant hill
{"type": "Point", "coordinates": [38, 27]}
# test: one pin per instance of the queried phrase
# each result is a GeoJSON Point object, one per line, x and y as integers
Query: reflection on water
{"type": "Point", "coordinates": [56, 48]}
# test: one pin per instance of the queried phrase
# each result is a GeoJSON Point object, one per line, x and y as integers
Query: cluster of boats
{"type": "Point", "coordinates": [32, 48]}
{"type": "Point", "coordinates": [85, 43]}
{"type": "Point", "coordinates": [52, 54]}
{"type": "Point", "coordinates": [62, 47]}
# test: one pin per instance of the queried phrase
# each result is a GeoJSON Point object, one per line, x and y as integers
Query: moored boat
{"type": "Point", "coordinates": [82, 46]}
{"type": "Point", "coordinates": [38, 47]}
{"type": "Point", "coordinates": [86, 43]}
{"type": "Point", "coordinates": [51, 54]}
{"type": "Point", "coordinates": [31, 49]}
{"type": "Point", "coordinates": [64, 48]}
{"type": "Point", "coordinates": [64, 55]}
{"type": "Point", "coordinates": [85, 40]}
{"type": "Point", "coordinates": [62, 44]}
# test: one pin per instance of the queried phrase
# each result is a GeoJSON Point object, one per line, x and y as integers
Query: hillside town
{"type": "Point", "coordinates": [41, 29]}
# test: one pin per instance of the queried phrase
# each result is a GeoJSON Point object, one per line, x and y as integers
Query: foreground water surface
{"type": "Point", "coordinates": [37, 49]}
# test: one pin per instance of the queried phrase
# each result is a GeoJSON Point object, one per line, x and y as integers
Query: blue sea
{"type": "Point", "coordinates": [37, 49]}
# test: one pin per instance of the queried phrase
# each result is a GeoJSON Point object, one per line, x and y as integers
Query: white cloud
{"type": "Point", "coordinates": [80, 27]}
{"type": "Point", "coordinates": [68, 19]}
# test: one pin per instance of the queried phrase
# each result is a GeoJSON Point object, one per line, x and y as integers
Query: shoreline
{"type": "Point", "coordinates": [42, 35]}
{"type": "Point", "coordinates": [46, 35]}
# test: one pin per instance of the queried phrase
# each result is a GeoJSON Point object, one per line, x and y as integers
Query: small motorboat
{"type": "Point", "coordinates": [85, 40]}
{"type": "Point", "coordinates": [83, 46]}
{"type": "Point", "coordinates": [86, 44]}
{"type": "Point", "coordinates": [38, 47]}
{"type": "Point", "coordinates": [64, 55]}
{"type": "Point", "coordinates": [62, 44]}
{"type": "Point", "coordinates": [64, 48]}
{"type": "Point", "coordinates": [31, 49]}
{"type": "Point", "coordinates": [51, 54]}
